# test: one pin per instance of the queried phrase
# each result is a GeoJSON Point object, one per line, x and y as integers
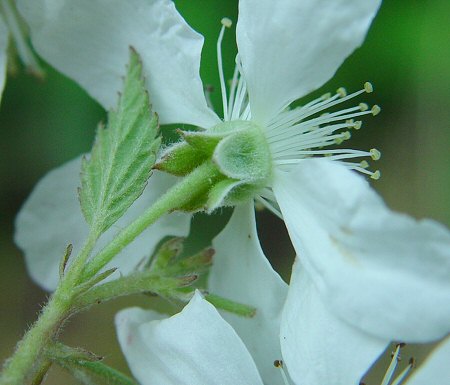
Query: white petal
{"type": "Point", "coordinates": [195, 346]}
{"type": "Point", "coordinates": [51, 219]}
{"type": "Point", "coordinates": [289, 47]}
{"type": "Point", "coordinates": [436, 368]}
{"type": "Point", "coordinates": [381, 271]}
{"type": "Point", "coordinates": [319, 348]}
{"type": "Point", "coordinates": [90, 43]}
{"type": "Point", "coordinates": [241, 272]}
{"type": "Point", "coordinates": [4, 38]}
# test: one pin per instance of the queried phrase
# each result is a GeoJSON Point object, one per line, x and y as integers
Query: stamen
{"type": "Point", "coordinates": [312, 108]}
{"type": "Point", "coordinates": [391, 369]}
{"type": "Point", "coordinates": [375, 154]}
{"type": "Point", "coordinates": [368, 87]}
{"type": "Point", "coordinates": [279, 364]}
{"type": "Point", "coordinates": [234, 83]}
{"type": "Point", "coordinates": [357, 125]}
{"type": "Point", "coordinates": [376, 175]}
{"type": "Point", "coordinates": [363, 106]}
{"type": "Point", "coordinates": [240, 105]}
{"type": "Point", "coordinates": [342, 92]}
{"type": "Point", "coordinates": [376, 110]}
{"type": "Point", "coordinates": [343, 136]}
{"type": "Point", "coordinates": [405, 372]}
{"type": "Point", "coordinates": [226, 23]}
{"type": "Point", "coordinates": [364, 164]}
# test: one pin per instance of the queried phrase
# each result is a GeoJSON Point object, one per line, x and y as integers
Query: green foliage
{"type": "Point", "coordinates": [116, 172]}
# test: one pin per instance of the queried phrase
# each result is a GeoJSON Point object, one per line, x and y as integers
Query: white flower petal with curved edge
{"type": "Point", "coordinates": [318, 347]}
{"type": "Point", "coordinates": [241, 272]}
{"type": "Point", "coordinates": [289, 47]}
{"type": "Point", "coordinates": [195, 346]}
{"type": "Point", "coordinates": [381, 271]}
{"type": "Point", "coordinates": [51, 218]}
{"type": "Point", "coordinates": [435, 370]}
{"type": "Point", "coordinates": [90, 42]}
{"type": "Point", "coordinates": [4, 38]}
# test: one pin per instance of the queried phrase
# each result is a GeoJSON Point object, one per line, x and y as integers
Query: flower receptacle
{"type": "Point", "coordinates": [239, 152]}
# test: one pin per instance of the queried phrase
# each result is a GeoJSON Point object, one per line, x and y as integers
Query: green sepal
{"type": "Point", "coordinates": [116, 172]}
{"type": "Point", "coordinates": [168, 263]}
{"type": "Point", "coordinates": [86, 367]}
{"type": "Point", "coordinates": [242, 193]}
{"type": "Point", "coordinates": [231, 127]}
{"type": "Point", "coordinates": [65, 259]}
{"type": "Point", "coordinates": [165, 254]}
{"type": "Point", "coordinates": [87, 285]}
{"type": "Point", "coordinates": [244, 155]}
{"type": "Point", "coordinates": [197, 204]}
{"type": "Point", "coordinates": [195, 264]}
{"type": "Point", "coordinates": [231, 306]}
{"type": "Point", "coordinates": [198, 201]}
{"type": "Point", "coordinates": [219, 192]}
{"type": "Point", "coordinates": [139, 282]}
{"type": "Point", "coordinates": [203, 141]}
{"type": "Point", "coordinates": [180, 159]}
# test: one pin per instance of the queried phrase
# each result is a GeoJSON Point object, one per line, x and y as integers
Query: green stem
{"type": "Point", "coordinates": [18, 368]}
{"type": "Point", "coordinates": [29, 348]}
{"type": "Point", "coordinates": [182, 193]}
{"type": "Point", "coordinates": [41, 371]}
{"type": "Point", "coordinates": [139, 282]}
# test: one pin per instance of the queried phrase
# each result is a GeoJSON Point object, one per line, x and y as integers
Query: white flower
{"type": "Point", "coordinates": [435, 370]}
{"type": "Point", "coordinates": [197, 346]}
{"type": "Point", "coordinates": [330, 348]}
{"type": "Point", "coordinates": [371, 268]}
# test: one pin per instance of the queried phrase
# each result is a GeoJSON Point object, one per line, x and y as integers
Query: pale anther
{"type": "Point", "coordinates": [376, 110]}
{"type": "Point", "coordinates": [279, 364]}
{"type": "Point", "coordinates": [364, 164]}
{"type": "Point", "coordinates": [357, 125]}
{"type": "Point", "coordinates": [375, 154]}
{"type": "Point", "coordinates": [376, 175]}
{"type": "Point", "coordinates": [226, 22]}
{"type": "Point", "coordinates": [326, 96]}
{"type": "Point", "coordinates": [368, 87]}
{"type": "Point", "coordinates": [342, 92]}
{"type": "Point", "coordinates": [363, 106]}
{"type": "Point", "coordinates": [346, 135]}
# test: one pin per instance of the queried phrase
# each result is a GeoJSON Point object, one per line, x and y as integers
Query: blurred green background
{"type": "Point", "coordinates": [407, 58]}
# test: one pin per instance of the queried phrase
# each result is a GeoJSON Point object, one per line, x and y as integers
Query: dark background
{"type": "Point", "coordinates": [407, 58]}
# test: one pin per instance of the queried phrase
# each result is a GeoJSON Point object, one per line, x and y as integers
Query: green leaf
{"type": "Point", "coordinates": [116, 172]}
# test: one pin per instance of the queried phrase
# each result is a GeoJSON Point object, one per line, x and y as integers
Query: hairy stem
{"type": "Point", "coordinates": [19, 368]}
{"type": "Point", "coordinates": [187, 189]}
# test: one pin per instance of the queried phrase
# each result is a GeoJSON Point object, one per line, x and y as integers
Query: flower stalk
{"type": "Point", "coordinates": [66, 300]}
